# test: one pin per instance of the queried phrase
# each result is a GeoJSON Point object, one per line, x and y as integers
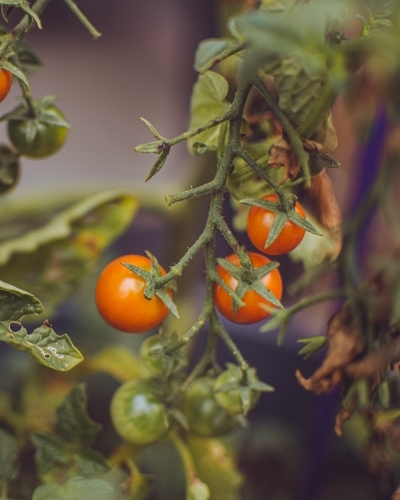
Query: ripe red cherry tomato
{"type": "Point", "coordinates": [251, 312]}
{"type": "Point", "coordinates": [259, 222]}
{"type": "Point", "coordinates": [5, 83]}
{"type": "Point", "coordinates": [120, 299]}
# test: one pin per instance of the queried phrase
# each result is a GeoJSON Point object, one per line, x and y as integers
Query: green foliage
{"type": "Point", "coordinates": [56, 258]}
{"type": "Point", "coordinates": [207, 102]}
{"type": "Point", "coordinates": [43, 344]}
{"type": "Point", "coordinates": [67, 454]}
{"type": "Point", "coordinates": [77, 488]}
{"type": "Point", "coordinates": [8, 456]}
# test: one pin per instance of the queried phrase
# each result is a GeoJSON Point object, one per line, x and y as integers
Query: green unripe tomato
{"type": "Point", "coordinates": [154, 363]}
{"type": "Point", "coordinates": [137, 412]}
{"type": "Point", "coordinates": [9, 168]}
{"type": "Point", "coordinates": [49, 137]}
{"type": "Point", "coordinates": [205, 417]}
{"type": "Point", "coordinates": [230, 400]}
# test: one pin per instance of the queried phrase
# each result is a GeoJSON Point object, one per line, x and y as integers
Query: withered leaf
{"type": "Point", "coordinates": [344, 344]}
{"type": "Point", "coordinates": [322, 199]}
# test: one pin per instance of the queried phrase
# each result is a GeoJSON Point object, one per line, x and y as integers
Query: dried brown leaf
{"type": "Point", "coordinates": [322, 199]}
{"type": "Point", "coordinates": [344, 344]}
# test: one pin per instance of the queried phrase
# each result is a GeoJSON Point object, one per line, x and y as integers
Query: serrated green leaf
{"type": "Point", "coordinates": [56, 258]}
{"type": "Point", "coordinates": [52, 455]}
{"type": "Point", "coordinates": [73, 422]}
{"type": "Point", "coordinates": [207, 102]}
{"type": "Point", "coordinates": [215, 468]}
{"type": "Point", "coordinates": [209, 49]}
{"type": "Point", "coordinates": [8, 456]}
{"type": "Point", "coordinates": [43, 344]}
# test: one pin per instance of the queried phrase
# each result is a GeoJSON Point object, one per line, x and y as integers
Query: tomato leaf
{"type": "Point", "coordinates": [73, 422]}
{"type": "Point", "coordinates": [215, 468]}
{"type": "Point", "coordinates": [8, 456]}
{"type": "Point", "coordinates": [43, 344]}
{"type": "Point", "coordinates": [77, 488]}
{"type": "Point", "coordinates": [209, 49]}
{"type": "Point", "coordinates": [207, 102]}
{"type": "Point", "coordinates": [60, 457]}
{"type": "Point", "coordinates": [57, 257]}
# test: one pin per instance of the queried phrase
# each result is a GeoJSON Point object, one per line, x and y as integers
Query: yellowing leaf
{"type": "Point", "coordinates": [208, 102]}
{"type": "Point", "coordinates": [52, 261]}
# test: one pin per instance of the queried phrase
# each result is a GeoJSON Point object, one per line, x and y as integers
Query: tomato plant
{"type": "Point", "coordinates": [262, 111]}
{"type": "Point", "coordinates": [138, 413]}
{"type": "Point", "coordinates": [120, 297]}
{"type": "Point", "coordinates": [260, 222]}
{"type": "Point", "coordinates": [252, 311]}
{"type": "Point", "coordinates": [5, 83]}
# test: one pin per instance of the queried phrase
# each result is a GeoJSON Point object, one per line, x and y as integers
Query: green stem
{"type": "Point", "coordinates": [315, 299]}
{"type": "Point", "coordinates": [28, 97]}
{"type": "Point", "coordinates": [25, 25]}
{"type": "Point", "coordinates": [4, 490]}
{"type": "Point", "coordinates": [83, 19]}
{"type": "Point", "coordinates": [230, 344]}
{"type": "Point", "coordinates": [293, 136]}
{"type": "Point", "coordinates": [230, 51]}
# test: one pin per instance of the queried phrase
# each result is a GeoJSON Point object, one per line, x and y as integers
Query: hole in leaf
{"type": "Point", "coordinates": [15, 327]}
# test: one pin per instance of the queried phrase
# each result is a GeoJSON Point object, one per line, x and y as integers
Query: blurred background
{"type": "Point", "coordinates": [143, 66]}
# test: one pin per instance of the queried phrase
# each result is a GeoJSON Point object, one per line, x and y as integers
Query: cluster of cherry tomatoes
{"type": "Point", "coordinates": [49, 137]}
{"type": "Point", "coordinates": [122, 304]}
{"type": "Point", "coordinates": [141, 410]}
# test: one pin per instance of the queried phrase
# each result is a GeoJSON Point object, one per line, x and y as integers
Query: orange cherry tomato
{"type": "Point", "coordinates": [252, 311]}
{"type": "Point", "coordinates": [259, 222]}
{"type": "Point", "coordinates": [5, 83]}
{"type": "Point", "coordinates": [120, 297]}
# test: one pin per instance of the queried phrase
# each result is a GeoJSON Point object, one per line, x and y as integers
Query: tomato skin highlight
{"type": "Point", "coordinates": [5, 83]}
{"type": "Point", "coordinates": [205, 417]}
{"type": "Point", "coordinates": [48, 139]}
{"type": "Point", "coordinates": [137, 412]}
{"type": "Point", "coordinates": [259, 222]}
{"type": "Point", "coordinates": [120, 297]}
{"type": "Point", "coordinates": [251, 312]}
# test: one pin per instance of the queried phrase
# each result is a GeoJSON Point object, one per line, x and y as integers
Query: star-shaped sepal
{"type": "Point", "coordinates": [284, 211]}
{"type": "Point", "coordinates": [248, 281]}
{"type": "Point", "coordinates": [171, 361]}
{"type": "Point", "coordinates": [153, 286]}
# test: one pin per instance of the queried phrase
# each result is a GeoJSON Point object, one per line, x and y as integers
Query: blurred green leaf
{"type": "Point", "coordinates": [61, 457]}
{"type": "Point", "coordinates": [53, 260]}
{"type": "Point", "coordinates": [116, 361]}
{"type": "Point", "coordinates": [209, 49]}
{"type": "Point", "coordinates": [77, 488]}
{"type": "Point", "coordinates": [207, 102]}
{"type": "Point", "coordinates": [215, 468]}
{"type": "Point", "coordinates": [312, 345]}
{"type": "Point", "coordinates": [8, 456]}
{"type": "Point", "coordinates": [73, 422]}
{"type": "Point", "coordinates": [43, 344]}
